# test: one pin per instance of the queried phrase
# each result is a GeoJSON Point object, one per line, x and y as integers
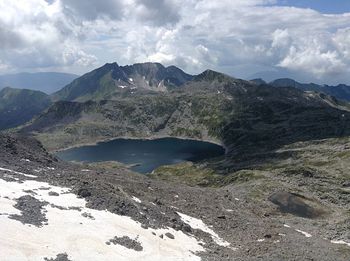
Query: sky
{"type": "Point", "coordinates": [323, 6]}
{"type": "Point", "coordinates": [305, 40]}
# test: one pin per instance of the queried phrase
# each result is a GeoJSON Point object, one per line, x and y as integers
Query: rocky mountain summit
{"type": "Point", "coordinates": [113, 80]}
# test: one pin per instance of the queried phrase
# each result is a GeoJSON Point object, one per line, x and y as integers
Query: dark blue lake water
{"type": "Point", "coordinates": [147, 154]}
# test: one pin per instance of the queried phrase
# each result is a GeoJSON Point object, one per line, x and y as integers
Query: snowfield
{"type": "Point", "coordinates": [78, 231]}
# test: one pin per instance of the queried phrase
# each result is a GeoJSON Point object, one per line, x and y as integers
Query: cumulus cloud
{"type": "Point", "coordinates": [239, 37]}
{"type": "Point", "coordinates": [33, 35]}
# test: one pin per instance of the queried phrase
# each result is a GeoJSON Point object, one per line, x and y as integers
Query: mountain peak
{"type": "Point", "coordinates": [112, 80]}
{"type": "Point", "coordinates": [210, 75]}
{"type": "Point", "coordinates": [114, 64]}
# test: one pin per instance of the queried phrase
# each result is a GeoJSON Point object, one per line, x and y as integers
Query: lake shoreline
{"type": "Point", "coordinates": [83, 144]}
{"type": "Point", "coordinates": [144, 155]}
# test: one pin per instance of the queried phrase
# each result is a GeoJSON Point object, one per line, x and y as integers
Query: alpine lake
{"type": "Point", "coordinates": [144, 155]}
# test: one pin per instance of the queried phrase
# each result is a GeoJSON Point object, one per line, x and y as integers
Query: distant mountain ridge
{"type": "Point", "coordinates": [340, 91]}
{"type": "Point", "coordinates": [113, 80]}
{"type": "Point", "coordinates": [48, 82]}
{"type": "Point", "coordinates": [17, 106]}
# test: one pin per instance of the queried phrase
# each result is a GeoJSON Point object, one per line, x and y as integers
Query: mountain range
{"type": "Point", "coordinates": [150, 100]}
{"type": "Point", "coordinates": [96, 95]}
{"type": "Point", "coordinates": [340, 91]}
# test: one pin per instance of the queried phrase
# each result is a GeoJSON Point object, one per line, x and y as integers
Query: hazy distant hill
{"type": "Point", "coordinates": [340, 91]}
{"type": "Point", "coordinates": [47, 82]}
{"type": "Point", "coordinates": [18, 106]}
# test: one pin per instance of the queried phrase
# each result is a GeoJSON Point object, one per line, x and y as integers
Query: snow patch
{"type": "Point", "coordinates": [341, 242]}
{"type": "Point", "coordinates": [304, 233]}
{"type": "Point", "coordinates": [80, 237]}
{"type": "Point", "coordinates": [196, 223]}
{"type": "Point", "coordinates": [136, 199]}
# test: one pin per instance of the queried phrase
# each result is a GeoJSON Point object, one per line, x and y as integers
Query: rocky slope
{"type": "Point", "coordinates": [18, 106]}
{"type": "Point", "coordinates": [278, 216]}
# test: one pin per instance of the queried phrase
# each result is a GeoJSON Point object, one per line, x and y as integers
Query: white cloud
{"type": "Point", "coordinates": [34, 35]}
{"type": "Point", "coordinates": [314, 60]}
{"type": "Point", "coordinates": [235, 36]}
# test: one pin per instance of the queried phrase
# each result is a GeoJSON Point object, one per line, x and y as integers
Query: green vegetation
{"type": "Point", "coordinates": [195, 175]}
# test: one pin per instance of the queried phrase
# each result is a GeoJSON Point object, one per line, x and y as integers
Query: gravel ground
{"type": "Point", "coordinates": [241, 214]}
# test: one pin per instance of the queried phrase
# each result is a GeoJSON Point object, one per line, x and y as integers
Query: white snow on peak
{"type": "Point", "coordinates": [196, 223]}
{"type": "Point", "coordinates": [122, 86]}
